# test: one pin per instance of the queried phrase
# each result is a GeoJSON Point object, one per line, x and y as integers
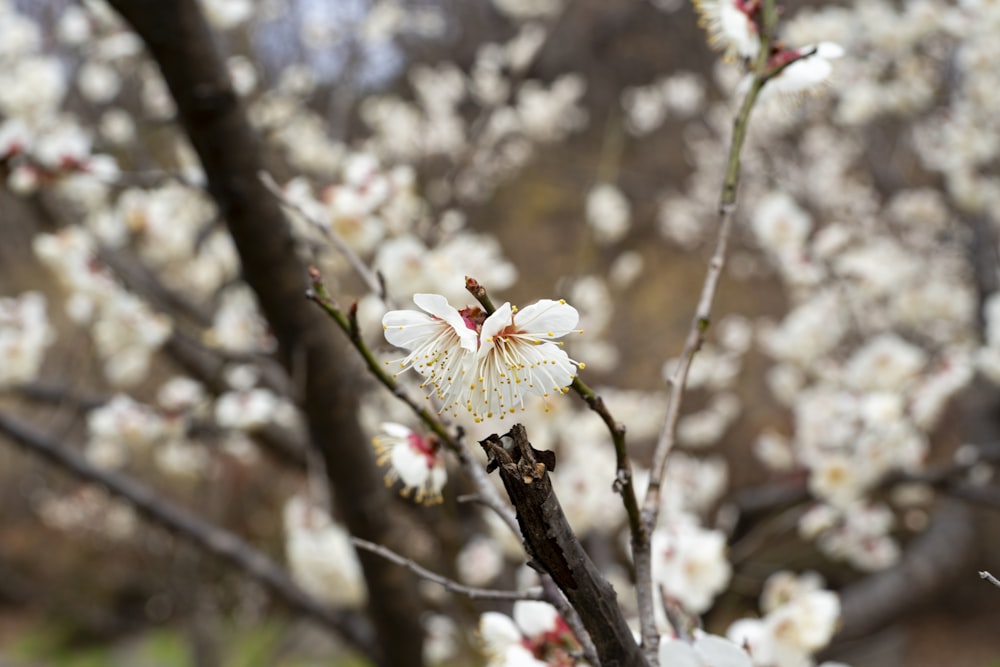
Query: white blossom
{"type": "Point", "coordinates": [731, 26]}
{"type": "Point", "coordinates": [320, 555]}
{"type": "Point", "coordinates": [608, 213]}
{"type": "Point", "coordinates": [690, 563]}
{"type": "Point", "coordinates": [797, 623]}
{"type": "Point", "coordinates": [413, 459]}
{"type": "Point", "coordinates": [886, 363]}
{"type": "Point", "coordinates": [486, 365]}
{"type": "Point", "coordinates": [811, 68]}
{"type": "Point", "coordinates": [25, 334]}
{"type": "Point", "coordinates": [780, 225]}
{"type": "Point", "coordinates": [705, 651]}
{"type": "Point", "coordinates": [536, 629]}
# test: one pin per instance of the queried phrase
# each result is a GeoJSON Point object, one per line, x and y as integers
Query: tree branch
{"type": "Point", "coordinates": [555, 550]}
{"type": "Point", "coordinates": [451, 585]}
{"type": "Point", "coordinates": [196, 530]}
{"type": "Point", "coordinates": [369, 277]}
{"type": "Point", "coordinates": [180, 41]}
{"type": "Point", "coordinates": [990, 578]}
{"type": "Point", "coordinates": [698, 330]}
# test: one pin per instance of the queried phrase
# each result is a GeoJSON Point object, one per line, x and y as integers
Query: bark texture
{"type": "Point", "coordinates": [555, 549]}
{"type": "Point", "coordinates": [181, 43]}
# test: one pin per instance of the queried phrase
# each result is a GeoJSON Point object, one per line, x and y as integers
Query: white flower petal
{"type": "Point", "coordinates": [677, 653]}
{"type": "Point", "coordinates": [498, 631]}
{"type": "Point", "coordinates": [720, 652]}
{"type": "Point", "coordinates": [501, 318]}
{"type": "Point", "coordinates": [396, 430]}
{"type": "Point", "coordinates": [435, 304]}
{"type": "Point", "coordinates": [534, 617]}
{"type": "Point", "coordinates": [547, 318]}
{"type": "Point", "coordinates": [410, 464]}
{"type": "Point", "coordinates": [407, 328]}
{"type": "Point", "coordinates": [829, 50]}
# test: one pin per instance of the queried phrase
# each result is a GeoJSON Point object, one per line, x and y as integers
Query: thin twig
{"type": "Point", "coordinates": [369, 277]}
{"type": "Point", "coordinates": [198, 531]}
{"type": "Point", "coordinates": [451, 585]}
{"type": "Point", "coordinates": [624, 483]}
{"type": "Point", "coordinates": [680, 620]}
{"type": "Point", "coordinates": [983, 574]}
{"type": "Point", "coordinates": [698, 330]}
{"type": "Point", "coordinates": [765, 533]}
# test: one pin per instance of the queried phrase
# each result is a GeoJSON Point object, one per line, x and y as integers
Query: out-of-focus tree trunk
{"type": "Point", "coordinates": [180, 41]}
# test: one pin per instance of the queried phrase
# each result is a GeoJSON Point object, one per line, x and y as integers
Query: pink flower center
{"type": "Point", "coordinates": [423, 446]}
{"type": "Point", "coordinates": [473, 316]}
{"type": "Point", "coordinates": [553, 646]}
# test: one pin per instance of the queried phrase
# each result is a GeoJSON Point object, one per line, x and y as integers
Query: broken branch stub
{"type": "Point", "coordinates": [554, 548]}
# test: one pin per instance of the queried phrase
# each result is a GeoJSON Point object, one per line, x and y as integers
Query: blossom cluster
{"type": "Point", "coordinates": [126, 331]}
{"type": "Point", "coordinates": [800, 617]}
{"type": "Point", "coordinates": [414, 459]}
{"type": "Point", "coordinates": [877, 339]}
{"type": "Point", "coordinates": [25, 334]}
{"type": "Point", "coordinates": [39, 145]}
{"type": "Point", "coordinates": [535, 637]}
{"type": "Point", "coordinates": [485, 364]}
{"type": "Point", "coordinates": [320, 554]}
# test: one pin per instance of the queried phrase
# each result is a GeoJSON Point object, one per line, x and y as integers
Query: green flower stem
{"type": "Point", "coordinates": [319, 295]}
{"type": "Point", "coordinates": [479, 293]}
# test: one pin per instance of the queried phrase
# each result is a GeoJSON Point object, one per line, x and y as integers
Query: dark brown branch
{"type": "Point", "coordinates": [984, 261]}
{"type": "Point", "coordinates": [54, 394]}
{"type": "Point", "coordinates": [181, 43]}
{"type": "Point", "coordinates": [196, 530]}
{"type": "Point", "coordinates": [555, 550]}
{"type": "Point", "coordinates": [977, 494]}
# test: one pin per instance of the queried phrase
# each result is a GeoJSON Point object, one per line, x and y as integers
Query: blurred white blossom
{"type": "Point", "coordinates": [320, 555]}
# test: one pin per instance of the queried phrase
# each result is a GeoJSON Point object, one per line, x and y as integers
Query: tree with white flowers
{"type": "Point", "coordinates": [741, 420]}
